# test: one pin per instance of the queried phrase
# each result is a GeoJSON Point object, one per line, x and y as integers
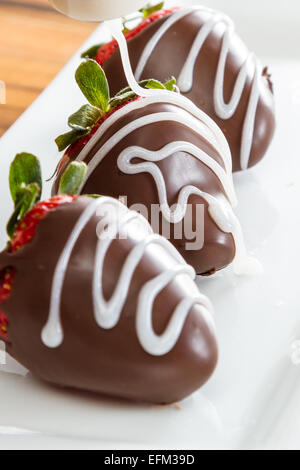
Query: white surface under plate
{"type": "Point", "coordinates": [252, 400]}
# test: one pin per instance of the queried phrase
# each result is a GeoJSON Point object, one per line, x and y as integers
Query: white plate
{"type": "Point", "coordinates": [252, 400]}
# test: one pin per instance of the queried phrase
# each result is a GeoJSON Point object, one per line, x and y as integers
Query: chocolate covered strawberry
{"type": "Point", "coordinates": [92, 299]}
{"type": "Point", "coordinates": [213, 67]}
{"type": "Point", "coordinates": [168, 158]}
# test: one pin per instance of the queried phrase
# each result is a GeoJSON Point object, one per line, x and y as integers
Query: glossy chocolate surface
{"type": "Point", "coordinates": [179, 169]}
{"type": "Point", "coordinates": [167, 60]}
{"type": "Point", "coordinates": [110, 362]}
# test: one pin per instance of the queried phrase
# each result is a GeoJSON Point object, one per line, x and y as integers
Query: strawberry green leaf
{"type": "Point", "coordinates": [92, 52]}
{"type": "Point", "coordinates": [81, 123]}
{"type": "Point", "coordinates": [120, 99]}
{"type": "Point", "coordinates": [171, 84]}
{"type": "Point", "coordinates": [143, 84]}
{"type": "Point", "coordinates": [65, 140]}
{"type": "Point", "coordinates": [24, 170]}
{"type": "Point", "coordinates": [93, 83]}
{"type": "Point", "coordinates": [127, 94]}
{"type": "Point", "coordinates": [73, 178]}
{"type": "Point", "coordinates": [155, 85]}
{"type": "Point", "coordinates": [149, 9]}
{"type": "Point", "coordinates": [93, 196]}
{"type": "Point", "coordinates": [85, 118]}
{"type": "Point", "coordinates": [27, 197]}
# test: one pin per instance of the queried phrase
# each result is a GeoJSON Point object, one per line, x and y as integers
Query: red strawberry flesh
{"type": "Point", "coordinates": [3, 327]}
{"type": "Point", "coordinates": [27, 227]}
{"type": "Point", "coordinates": [6, 280]}
{"type": "Point", "coordinates": [23, 235]}
{"type": "Point", "coordinates": [107, 50]}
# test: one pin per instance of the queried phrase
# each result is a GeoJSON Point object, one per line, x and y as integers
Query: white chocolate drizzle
{"type": "Point", "coordinates": [125, 165]}
{"type": "Point", "coordinates": [107, 313]}
{"type": "Point", "coordinates": [148, 119]}
{"type": "Point", "coordinates": [198, 121]}
{"type": "Point", "coordinates": [222, 213]}
{"type": "Point", "coordinates": [185, 82]}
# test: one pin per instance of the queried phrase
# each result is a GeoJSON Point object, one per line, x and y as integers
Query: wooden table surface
{"type": "Point", "coordinates": [35, 43]}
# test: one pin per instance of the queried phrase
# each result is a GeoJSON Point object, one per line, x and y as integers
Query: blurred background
{"type": "Point", "coordinates": [35, 41]}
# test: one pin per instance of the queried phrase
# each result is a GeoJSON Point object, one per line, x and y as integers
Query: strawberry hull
{"type": "Point", "coordinates": [75, 148]}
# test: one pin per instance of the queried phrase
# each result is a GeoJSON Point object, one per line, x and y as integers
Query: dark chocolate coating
{"type": "Point", "coordinates": [179, 170]}
{"type": "Point", "coordinates": [167, 60]}
{"type": "Point", "coordinates": [110, 362]}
